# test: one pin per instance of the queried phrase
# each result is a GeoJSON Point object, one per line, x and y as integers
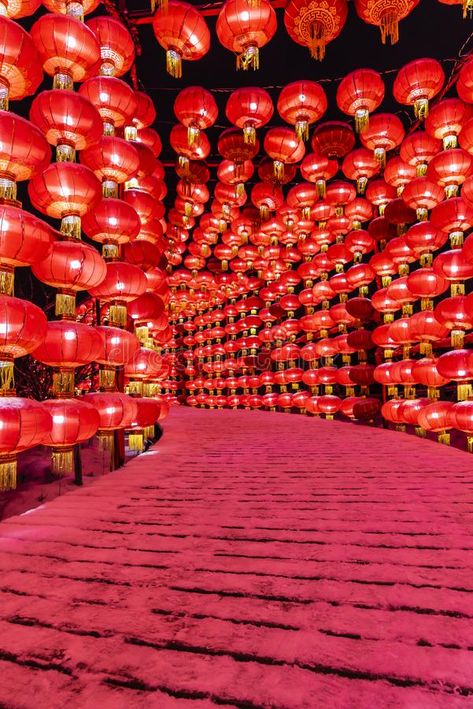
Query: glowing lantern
{"type": "Point", "coordinates": [244, 27]}
{"type": "Point", "coordinates": [73, 421]}
{"type": "Point", "coordinates": [360, 93]}
{"type": "Point", "coordinates": [249, 108]}
{"type": "Point", "coordinates": [182, 31]}
{"type": "Point", "coordinates": [301, 104]}
{"type": "Point", "coordinates": [314, 25]}
{"type": "Point", "coordinates": [385, 14]}
{"type": "Point", "coordinates": [117, 49]}
{"type": "Point", "coordinates": [417, 83]}
{"type": "Point", "coordinates": [385, 132]}
{"type": "Point", "coordinates": [196, 109]}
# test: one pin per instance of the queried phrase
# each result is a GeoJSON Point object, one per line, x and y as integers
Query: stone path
{"type": "Point", "coordinates": [249, 560]}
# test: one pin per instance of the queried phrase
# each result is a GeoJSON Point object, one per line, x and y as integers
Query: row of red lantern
{"type": "Point", "coordinates": [244, 27]}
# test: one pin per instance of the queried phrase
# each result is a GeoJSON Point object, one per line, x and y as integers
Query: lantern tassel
{"type": "Point", "coordinates": [118, 315]}
{"type": "Point", "coordinates": [106, 441]}
{"type": "Point", "coordinates": [7, 382]}
{"type": "Point", "coordinates": [421, 108]}
{"type": "Point", "coordinates": [362, 119]}
{"type": "Point", "coordinates": [192, 135]}
{"type": "Point", "coordinates": [249, 135]}
{"type": "Point", "coordinates": [249, 59]}
{"type": "Point", "coordinates": [317, 42]}
{"type": "Point", "coordinates": [107, 379]}
{"type": "Point", "coordinates": [389, 28]}
{"type": "Point", "coordinates": [174, 64]}
{"type": "Point", "coordinates": [62, 462]}
{"type": "Point", "coordinates": [8, 470]}
{"type": "Point", "coordinates": [302, 130]}
{"type": "Point", "coordinates": [278, 170]}
{"type": "Point", "coordinates": [135, 441]}
{"type": "Point", "coordinates": [467, 9]}
{"type": "Point", "coordinates": [321, 188]}
{"type": "Point", "coordinates": [65, 305]}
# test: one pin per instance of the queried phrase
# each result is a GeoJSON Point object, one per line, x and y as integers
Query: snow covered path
{"type": "Point", "coordinates": [249, 560]}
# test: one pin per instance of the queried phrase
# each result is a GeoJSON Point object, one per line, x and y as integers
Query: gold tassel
{"type": "Point", "coordinates": [449, 142]}
{"type": "Point", "coordinates": [278, 170]}
{"type": "Point", "coordinates": [65, 305]}
{"type": "Point", "coordinates": [362, 119]}
{"type": "Point", "coordinates": [62, 461]}
{"type": "Point", "coordinates": [389, 28]}
{"type": "Point", "coordinates": [464, 391]}
{"type": "Point", "coordinates": [7, 280]}
{"type": "Point", "coordinates": [425, 348]}
{"type": "Point", "coordinates": [110, 189]}
{"type": "Point", "coordinates": [188, 209]}
{"type": "Point", "coordinates": [467, 9]}
{"type": "Point", "coordinates": [7, 190]}
{"type": "Point", "coordinates": [135, 441]}
{"type": "Point", "coordinates": [8, 469]}
{"type": "Point", "coordinates": [117, 315]}
{"type": "Point", "coordinates": [421, 108]}
{"type": "Point", "coordinates": [135, 387]}
{"type": "Point", "coordinates": [149, 432]}
{"type": "Point", "coordinates": [443, 437]}
{"type": "Point", "coordinates": [106, 444]}
{"type": "Point", "coordinates": [110, 252]}
{"type": "Point", "coordinates": [421, 432]}
{"type": "Point", "coordinates": [457, 338]}
{"type": "Point", "coordinates": [305, 211]}
{"type": "Point", "coordinates": [421, 169]}
{"type": "Point", "coordinates": [432, 393]}
{"type": "Point", "coordinates": [4, 98]}
{"type": "Point", "coordinates": [380, 156]}
{"type": "Point", "coordinates": [451, 191]}
{"type": "Point", "coordinates": [63, 383]}
{"type": "Point", "coordinates": [65, 153]}
{"type": "Point", "coordinates": [321, 188]}
{"type": "Point", "coordinates": [192, 135]}
{"type": "Point", "coordinates": [184, 165]}
{"type": "Point", "coordinates": [71, 226]}
{"type": "Point", "coordinates": [361, 184]}
{"type": "Point", "coordinates": [249, 135]}
{"type": "Point", "coordinates": [7, 381]}
{"type": "Point", "coordinates": [107, 378]}
{"type": "Point", "coordinates": [456, 239]}
{"type": "Point", "coordinates": [302, 130]}
{"type": "Point", "coordinates": [63, 81]}
{"type": "Point", "coordinates": [249, 59]}
{"type": "Point", "coordinates": [469, 444]}
{"type": "Point", "coordinates": [174, 64]}
{"type": "Point", "coordinates": [130, 133]}
{"type": "Point", "coordinates": [457, 289]}
{"type": "Point", "coordinates": [422, 214]}
{"type": "Point", "coordinates": [316, 42]}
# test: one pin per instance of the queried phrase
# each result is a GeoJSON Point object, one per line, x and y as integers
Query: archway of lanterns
{"type": "Point", "coordinates": [325, 270]}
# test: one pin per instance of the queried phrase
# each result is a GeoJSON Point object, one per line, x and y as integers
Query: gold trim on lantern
{"type": "Point", "coordinates": [248, 59]}
{"type": "Point", "coordinates": [362, 119]}
{"type": "Point", "coordinates": [71, 226]}
{"type": "Point", "coordinates": [174, 64]}
{"type": "Point", "coordinates": [63, 383]}
{"type": "Point", "coordinates": [62, 461]}
{"type": "Point", "coordinates": [63, 81]}
{"type": "Point", "coordinates": [65, 305]}
{"type": "Point", "coordinates": [117, 315]}
{"type": "Point", "coordinates": [7, 380]}
{"type": "Point", "coordinates": [107, 378]}
{"type": "Point", "coordinates": [136, 441]}
{"type": "Point", "coordinates": [65, 153]}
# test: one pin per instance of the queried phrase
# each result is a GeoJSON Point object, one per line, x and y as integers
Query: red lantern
{"type": "Point", "coordinates": [360, 93]}
{"type": "Point", "coordinates": [20, 66]}
{"type": "Point", "coordinates": [68, 120]}
{"type": "Point", "coordinates": [117, 49]}
{"type": "Point", "coordinates": [24, 152]}
{"type": "Point", "coordinates": [315, 25]}
{"type": "Point", "coordinates": [417, 83]}
{"type": "Point", "coordinates": [196, 109]}
{"type": "Point", "coordinates": [446, 120]}
{"type": "Point", "coordinates": [422, 195]}
{"type": "Point", "coordinates": [114, 99]}
{"type": "Point", "coordinates": [112, 221]}
{"type": "Point", "coordinates": [300, 104]}
{"type": "Point", "coordinates": [418, 149]}
{"type": "Point", "coordinates": [249, 108]}
{"type": "Point", "coordinates": [24, 424]}
{"type": "Point", "coordinates": [284, 148]}
{"type": "Point", "coordinates": [385, 132]}
{"type": "Point", "coordinates": [115, 410]}
{"type": "Point", "coordinates": [182, 31]}
{"type": "Point", "coordinates": [449, 169]}
{"type": "Point", "coordinates": [360, 165]}
{"type": "Point", "coordinates": [69, 50]}
{"type": "Point", "coordinates": [73, 421]}
{"type": "Point", "coordinates": [244, 27]}
{"type": "Point", "coordinates": [318, 169]}
{"type": "Point", "coordinates": [385, 14]}
{"type": "Point", "coordinates": [122, 284]}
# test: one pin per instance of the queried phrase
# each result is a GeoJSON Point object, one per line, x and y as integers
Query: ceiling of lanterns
{"type": "Point", "coordinates": [282, 61]}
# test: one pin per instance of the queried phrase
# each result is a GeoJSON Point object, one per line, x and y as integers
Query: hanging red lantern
{"type": "Point", "coordinates": [182, 31]}
{"type": "Point", "coordinates": [114, 99]}
{"type": "Point", "coordinates": [113, 160]}
{"type": "Point", "coordinates": [334, 139]}
{"type": "Point", "coordinates": [385, 132]}
{"type": "Point", "coordinates": [20, 65]}
{"type": "Point", "coordinates": [249, 108]}
{"type": "Point", "coordinates": [446, 120]}
{"type": "Point", "coordinates": [360, 165]}
{"type": "Point", "coordinates": [65, 191]}
{"type": "Point", "coordinates": [243, 27]}
{"type": "Point", "coordinates": [418, 149]}
{"type": "Point", "coordinates": [68, 120]}
{"type": "Point", "coordinates": [117, 49]}
{"type": "Point", "coordinates": [73, 421]}
{"type": "Point", "coordinates": [417, 83]}
{"type": "Point", "coordinates": [24, 239]}
{"type": "Point", "coordinates": [283, 147]}
{"type": "Point", "coordinates": [24, 153]}
{"type": "Point", "coordinates": [196, 109]}
{"type": "Point", "coordinates": [300, 104]}
{"type": "Point", "coordinates": [318, 169]}
{"type": "Point", "coordinates": [111, 221]}
{"type": "Point", "coordinates": [422, 195]}
{"type": "Point", "coordinates": [123, 283]}
{"type": "Point", "coordinates": [24, 424]}
{"type": "Point", "coordinates": [450, 168]}
{"type": "Point", "coordinates": [315, 25]}
{"type": "Point", "coordinates": [398, 174]}
{"type": "Point", "coordinates": [360, 93]}
{"type": "Point", "coordinates": [71, 266]}
{"type": "Point", "coordinates": [385, 14]}
{"type": "Point", "coordinates": [69, 50]}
